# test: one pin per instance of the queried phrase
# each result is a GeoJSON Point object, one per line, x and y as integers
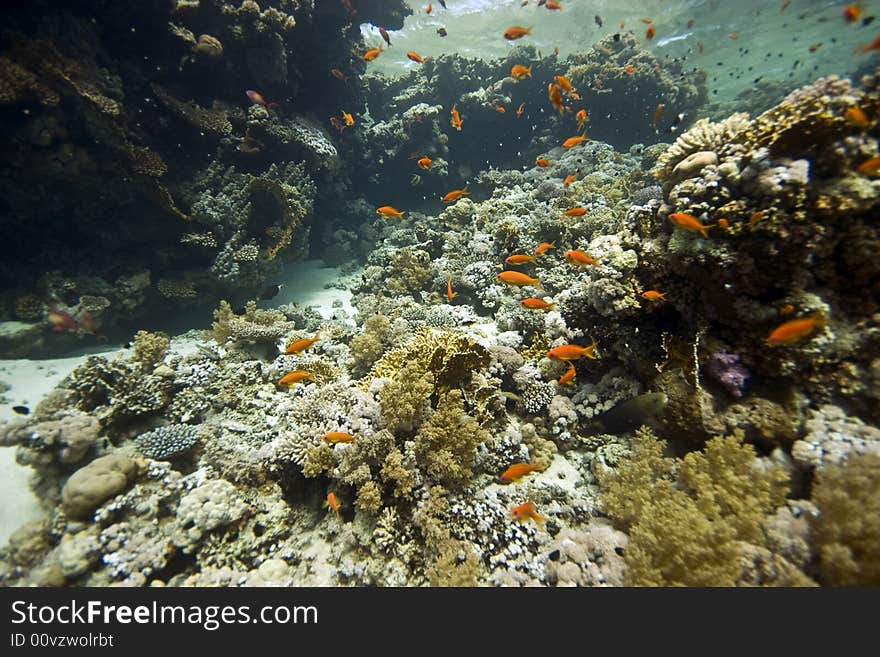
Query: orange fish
{"type": "Point", "coordinates": [517, 471]}
{"type": "Point", "coordinates": [429, 8]}
{"type": "Point", "coordinates": [851, 13]}
{"type": "Point", "coordinates": [339, 74]}
{"type": "Point", "coordinates": [454, 195]}
{"type": "Point", "coordinates": [450, 295]}
{"type": "Point", "coordinates": [795, 329]}
{"type": "Point", "coordinates": [338, 437]}
{"type": "Point", "coordinates": [581, 117]}
{"type": "Point", "coordinates": [571, 142]}
{"type": "Point", "coordinates": [415, 57]}
{"type": "Point", "coordinates": [654, 295]}
{"type": "Point", "coordinates": [855, 117]}
{"type": "Point", "coordinates": [388, 211]}
{"type": "Point", "coordinates": [518, 278]}
{"type": "Point", "coordinates": [527, 511]}
{"type": "Point", "coordinates": [579, 258]}
{"type": "Point", "coordinates": [455, 121]}
{"type": "Point", "coordinates": [568, 377]}
{"type": "Point", "coordinates": [570, 178]}
{"type": "Point", "coordinates": [815, 46]}
{"type": "Point", "coordinates": [787, 309]}
{"type": "Point", "coordinates": [371, 54]}
{"type": "Point", "coordinates": [657, 112]}
{"type": "Point", "coordinates": [869, 167]}
{"type": "Point", "coordinates": [647, 21]}
{"type": "Point", "coordinates": [519, 71]}
{"type": "Point", "coordinates": [723, 223]}
{"type": "Point", "coordinates": [348, 118]}
{"type": "Point", "coordinates": [732, 36]}
{"type": "Point", "coordinates": [555, 96]}
{"type": "Point", "coordinates": [756, 217]}
{"type": "Point", "coordinates": [649, 33]}
{"type": "Point", "coordinates": [292, 378]}
{"type": "Point", "coordinates": [575, 212]}
{"type": "Point", "coordinates": [689, 222]}
{"type": "Point", "coordinates": [519, 110]}
{"type": "Point", "coordinates": [333, 503]}
{"type": "Point", "coordinates": [533, 303]}
{"type": "Point", "coordinates": [519, 259]}
{"type": "Point", "coordinates": [500, 109]}
{"type": "Point", "coordinates": [572, 352]}
{"type": "Point", "coordinates": [424, 163]}
{"type": "Point", "coordinates": [300, 345]}
{"type": "Point", "coordinates": [552, 4]}
{"type": "Point", "coordinates": [543, 247]}
{"type": "Point", "coordinates": [874, 45]}
{"type": "Point", "coordinates": [629, 68]}
{"type": "Point", "coordinates": [541, 162]}
{"type": "Point", "coordinates": [563, 83]}
{"type": "Point", "coordinates": [516, 32]}
{"type": "Point", "coordinates": [62, 321]}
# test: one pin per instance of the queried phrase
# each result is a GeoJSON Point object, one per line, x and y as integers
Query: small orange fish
{"type": "Point", "coordinates": [517, 471]}
{"type": "Point", "coordinates": [647, 21]}
{"type": "Point", "coordinates": [519, 259]}
{"type": "Point", "coordinates": [348, 118]}
{"type": "Point", "coordinates": [518, 278]}
{"type": "Point", "coordinates": [500, 109]}
{"type": "Point", "coordinates": [570, 178]}
{"type": "Point", "coordinates": [429, 8]}
{"type": "Point", "coordinates": [424, 163]}
{"type": "Point", "coordinates": [555, 96]}
{"type": "Point", "coordinates": [732, 36]}
{"type": "Point", "coordinates": [415, 57]}
{"type": "Point", "coordinates": [572, 352]}
{"type": "Point", "coordinates": [723, 223]}
{"type": "Point", "coordinates": [339, 74]}
{"type": "Point", "coordinates": [689, 222]}
{"type": "Point", "coordinates": [516, 32]}
{"type": "Point", "coordinates": [851, 13]}
{"type": "Point", "coordinates": [543, 247]}
{"type": "Point", "coordinates": [371, 54]}
{"type": "Point", "coordinates": [519, 110]}
{"type": "Point", "coordinates": [533, 303]}
{"type": "Point", "coordinates": [455, 121]}
{"type": "Point", "coordinates": [563, 83]}
{"type": "Point", "coordinates": [527, 511]}
{"type": "Point", "coordinates": [629, 68]}
{"type": "Point", "coordinates": [650, 32]}
{"type": "Point", "coordinates": [874, 45]}
{"type": "Point", "coordinates": [654, 295]}
{"type": "Point", "coordinates": [450, 295]}
{"type": "Point", "coordinates": [300, 345]}
{"type": "Point", "coordinates": [541, 162]}
{"type": "Point", "coordinates": [333, 503]}
{"type": "Point", "coordinates": [579, 258]}
{"type": "Point", "coordinates": [756, 217]}
{"type": "Point", "coordinates": [657, 112]}
{"type": "Point", "coordinates": [581, 117]}
{"type": "Point", "coordinates": [571, 142]}
{"type": "Point", "coordinates": [575, 212]}
{"type": "Point", "coordinates": [389, 211]}
{"type": "Point", "coordinates": [292, 378]}
{"type": "Point", "coordinates": [855, 117]}
{"type": "Point", "coordinates": [870, 167]}
{"type": "Point", "coordinates": [338, 437]}
{"type": "Point", "coordinates": [553, 5]}
{"type": "Point", "coordinates": [787, 309]}
{"type": "Point", "coordinates": [795, 329]}
{"type": "Point", "coordinates": [454, 195]}
{"type": "Point", "coordinates": [568, 377]}
{"type": "Point", "coordinates": [518, 71]}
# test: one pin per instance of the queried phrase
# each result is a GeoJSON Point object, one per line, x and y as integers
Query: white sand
{"type": "Point", "coordinates": [31, 380]}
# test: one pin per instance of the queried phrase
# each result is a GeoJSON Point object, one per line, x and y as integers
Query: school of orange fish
{"type": "Point", "coordinates": [558, 89]}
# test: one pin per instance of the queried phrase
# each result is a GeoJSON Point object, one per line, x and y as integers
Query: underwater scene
{"type": "Point", "coordinates": [448, 293]}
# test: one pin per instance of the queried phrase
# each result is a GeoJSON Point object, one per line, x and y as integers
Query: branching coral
{"type": "Point", "coordinates": [150, 348]}
{"type": "Point", "coordinates": [255, 325]}
{"type": "Point", "coordinates": [698, 521]}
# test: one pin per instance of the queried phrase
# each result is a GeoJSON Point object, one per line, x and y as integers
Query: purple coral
{"type": "Point", "coordinates": [727, 370]}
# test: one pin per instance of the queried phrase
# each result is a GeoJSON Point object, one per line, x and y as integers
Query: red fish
{"type": "Point", "coordinates": [257, 99]}
{"type": "Point", "coordinates": [517, 471]}
{"type": "Point", "coordinates": [339, 74]}
{"type": "Point", "coordinates": [516, 32]}
{"type": "Point", "coordinates": [384, 33]}
{"type": "Point", "coordinates": [527, 511]}
{"type": "Point", "coordinates": [568, 377]}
